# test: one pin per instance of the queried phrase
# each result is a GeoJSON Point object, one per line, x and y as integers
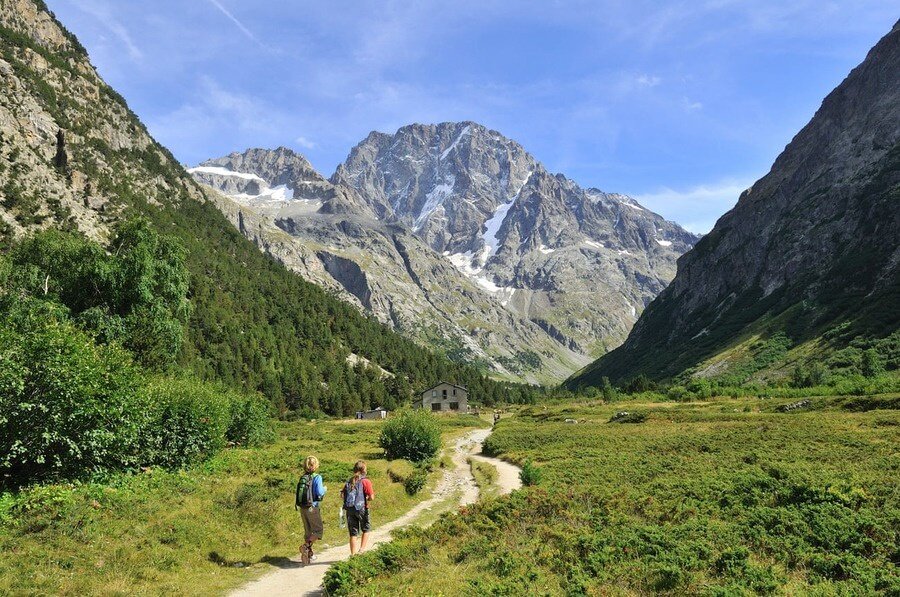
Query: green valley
{"type": "Point", "coordinates": [718, 497]}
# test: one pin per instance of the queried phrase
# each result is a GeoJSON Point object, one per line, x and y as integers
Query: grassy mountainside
{"type": "Point", "coordinates": [724, 497]}
{"type": "Point", "coordinates": [809, 252]}
{"type": "Point", "coordinates": [73, 156]}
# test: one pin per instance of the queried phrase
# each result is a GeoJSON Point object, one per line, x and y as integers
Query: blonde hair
{"type": "Point", "coordinates": [359, 469]}
{"type": "Point", "coordinates": [311, 464]}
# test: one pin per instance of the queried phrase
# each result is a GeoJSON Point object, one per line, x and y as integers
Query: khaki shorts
{"type": "Point", "coordinates": [312, 522]}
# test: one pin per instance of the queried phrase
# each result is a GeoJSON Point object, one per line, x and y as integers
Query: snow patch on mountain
{"type": "Point", "coordinates": [492, 226]}
{"type": "Point", "coordinates": [220, 171]}
{"type": "Point", "coordinates": [434, 199]}
{"type": "Point", "coordinates": [466, 131]}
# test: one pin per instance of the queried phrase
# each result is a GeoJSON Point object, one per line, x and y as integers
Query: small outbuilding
{"type": "Point", "coordinates": [446, 397]}
{"type": "Point", "coordinates": [377, 413]}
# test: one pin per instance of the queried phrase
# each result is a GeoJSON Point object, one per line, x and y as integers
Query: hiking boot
{"type": "Point", "coordinates": [305, 554]}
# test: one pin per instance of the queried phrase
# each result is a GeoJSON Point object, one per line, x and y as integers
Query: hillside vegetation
{"type": "Point", "coordinates": [724, 497]}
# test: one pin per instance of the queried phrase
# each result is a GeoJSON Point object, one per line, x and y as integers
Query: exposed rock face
{"type": "Point", "coordinates": [330, 236]}
{"type": "Point", "coordinates": [581, 263]}
{"type": "Point", "coordinates": [813, 244]}
{"type": "Point", "coordinates": [463, 238]}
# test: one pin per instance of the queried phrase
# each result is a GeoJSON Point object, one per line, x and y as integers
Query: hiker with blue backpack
{"type": "Point", "coordinates": [358, 495]}
{"type": "Point", "coordinates": [310, 491]}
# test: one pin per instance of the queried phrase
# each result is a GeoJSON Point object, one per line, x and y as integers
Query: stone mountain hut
{"type": "Point", "coordinates": [446, 397]}
{"type": "Point", "coordinates": [377, 413]}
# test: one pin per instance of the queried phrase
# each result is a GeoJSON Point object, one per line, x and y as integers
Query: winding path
{"type": "Point", "coordinates": [295, 579]}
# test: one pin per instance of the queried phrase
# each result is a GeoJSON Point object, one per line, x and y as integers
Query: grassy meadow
{"type": "Point", "coordinates": [721, 497]}
{"type": "Point", "coordinates": [198, 531]}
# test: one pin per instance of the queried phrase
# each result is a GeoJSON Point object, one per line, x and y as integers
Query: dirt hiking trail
{"type": "Point", "coordinates": [295, 579]}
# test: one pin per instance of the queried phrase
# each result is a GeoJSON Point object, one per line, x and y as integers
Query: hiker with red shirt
{"type": "Point", "coordinates": [358, 495]}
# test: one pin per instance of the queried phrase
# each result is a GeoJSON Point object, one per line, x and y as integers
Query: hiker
{"type": "Point", "coordinates": [358, 495]}
{"type": "Point", "coordinates": [310, 491]}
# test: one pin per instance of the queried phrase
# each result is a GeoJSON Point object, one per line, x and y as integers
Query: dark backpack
{"type": "Point", "coordinates": [304, 497]}
{"type": "Point", "coordinates": [355, 496]}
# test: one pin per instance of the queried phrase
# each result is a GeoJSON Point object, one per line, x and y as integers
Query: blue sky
{"type": "Point", "coordinates": [680, 104]}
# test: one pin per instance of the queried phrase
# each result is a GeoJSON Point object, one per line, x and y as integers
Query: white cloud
{"type": "Point", "coordinates": [304, 142]}
{"type": "Point", "coordinates": [648, 81]}
{"type": "Point", "coordinates": [690, 105]}
{"type": "Point", "coordinates": [696, 208]}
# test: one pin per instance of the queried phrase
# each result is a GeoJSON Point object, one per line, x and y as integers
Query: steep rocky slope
{"type": "Point", "coordinates": [811, 250]}
{"type": "Point", "coordinates": [460, 239]}
{"type": "Point", "coordinates": [73, 156]}
{"type": "Point", "coordinates": [327, 234]}
{"type": "Point", "coordinates": [580, 263]}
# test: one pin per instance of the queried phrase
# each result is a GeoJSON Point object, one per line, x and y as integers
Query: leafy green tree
{"type": "Point", "coordinates": [870, 364]}
{"type": "Point", "coordinates": [412, 435]}
{"type": "Point", "coordinates": [608, 390]}
{"type": "Point", "coordinates": [150, 293]}
{"type": "Point", "coordinates": [68, 407]}
{"type": "Point", "coordinates": [136, 296]}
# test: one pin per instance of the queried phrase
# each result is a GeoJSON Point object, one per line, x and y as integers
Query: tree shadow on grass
{"type": "Point", "coordinates": [275, 561]}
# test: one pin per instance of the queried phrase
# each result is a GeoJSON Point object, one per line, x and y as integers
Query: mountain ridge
{"type": "Point", "coordinates": [482, 234]}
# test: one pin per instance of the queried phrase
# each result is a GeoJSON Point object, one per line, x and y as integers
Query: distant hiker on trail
{"type": "Point", "coordinates": [310, 491]}
{"type": "Point", "coordinates": [496, 418]}
{"type": "Point", "coordinates": [358, 495]}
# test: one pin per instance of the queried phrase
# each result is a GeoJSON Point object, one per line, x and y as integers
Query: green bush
{"type": "Point", "coordinates": [68, 407]}
{"type": "Point", "coordinates": [187, 423]}
{"type": "Point", "coordinates": [412, 435]}
{"type": "Point", "coordinates": [678, 393]}
{"type": "Point", "coordinates": [530, 474]}
{"type": "Point", "coordinates": [251, 423]}
{"type": "Point", "coordinates": [416, 481]}
{"type": "Point", "coordinates": [870, 364]}
{"type": "Point", "coordinates": [191, 420]}
{"type": "Point", "coordinates": [137, 295]}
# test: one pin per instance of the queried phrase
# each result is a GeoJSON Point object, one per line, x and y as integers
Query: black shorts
{"type": "Point", "coordinates": [358, 522]}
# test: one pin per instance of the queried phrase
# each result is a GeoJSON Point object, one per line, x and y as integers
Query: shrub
{"type": "Point", "coordinates": [870, 364]}
{"type": "Point", "coordinates": [608, 390]}
{"type": "Point", "coordinates": [678, 393]}
{"type": "Point", "coordinates": [68, 407]}
{"type": "Point", "coordinates": [416, 481]}
{"type": "Point", "coordinates": [412, 435]}
{"type": "Point", "coordinates": [701, 388]}
{"type": "Point", "coordinates": [628, 417]}
{"type": "Point", "coordinates": [640, 384]}
{"type": "Point", "coordinates": [190, 420]}
{"type": "Point", "coordinates": [250, 423]}
{"type": "Point", "coordinates": [530, 474]}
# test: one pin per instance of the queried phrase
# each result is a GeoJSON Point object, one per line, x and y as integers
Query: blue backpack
{"type": "Point", "coordinates": [355, 496]}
